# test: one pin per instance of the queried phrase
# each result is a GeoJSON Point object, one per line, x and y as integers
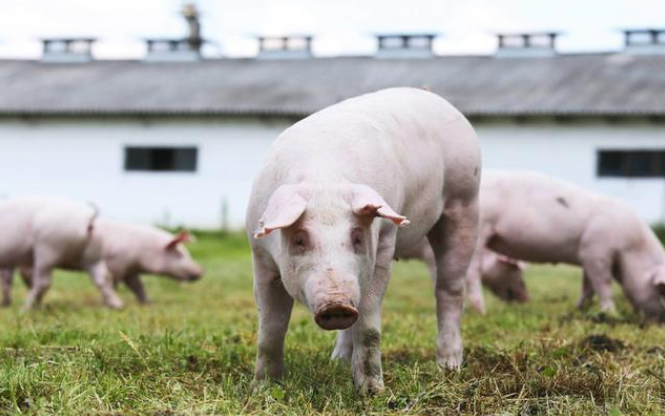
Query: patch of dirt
{"type": "Point", "coordinates": [656, 350]}
{"type": "Point", "coordinates": [603, 318]}
{"type": "Point", "coordinates": [404, 356]}
{"type": "Point", "coordinates": [192, 363]}
{"type": "Point", "coordinates": [602, 343]}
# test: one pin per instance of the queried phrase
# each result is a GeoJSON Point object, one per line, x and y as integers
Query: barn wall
{"type": "Point", "coordinates": [569, 151]}
{"type": "Point", "coordinates": [83, 159]}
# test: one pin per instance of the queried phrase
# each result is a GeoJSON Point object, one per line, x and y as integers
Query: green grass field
{"type": "Point", "coordinates": [192, 352]}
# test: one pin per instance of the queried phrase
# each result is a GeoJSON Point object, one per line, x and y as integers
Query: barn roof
{"type": "Point", "coordinates": [600, 84]}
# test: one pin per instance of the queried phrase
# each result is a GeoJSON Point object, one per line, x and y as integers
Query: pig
{"type": "Point", "coordinates": [130, 250]}
{"type": "Point", "coordinates": [502, 275]}
{"type": "Point", "coordinates": [541, 219]}
{"type": "Point", "coordinates": [324, 214]}
{"type": "Point", "coordinates": [49, 233]}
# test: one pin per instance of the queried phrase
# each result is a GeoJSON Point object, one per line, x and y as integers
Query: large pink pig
{"type": "Point", "coordinates": [130, 250]}
{"type": "Point", "coordinates": [502, 275]}
{"type": "Point", "coordinates": [324, 215]}
{"type": "Point", "coordinates": [48, 233]}
{"type": "Point", "coordinates": [540, 219]}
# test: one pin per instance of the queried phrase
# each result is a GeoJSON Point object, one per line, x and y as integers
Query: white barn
{"type": "Point", "coordinates": [176, 140]}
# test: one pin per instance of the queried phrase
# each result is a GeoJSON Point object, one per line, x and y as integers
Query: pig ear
{"type": "Point", "coordinates": [511, 261]}
{"type": "Point", "coordinates": [285, 207]}
{"type": "Point", "coordinates": [181, 238]}
{"type": "Point", "coordinates": [366, 201]}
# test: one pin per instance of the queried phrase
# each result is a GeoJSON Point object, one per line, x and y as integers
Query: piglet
{"type": "Point", "coordinates": [49, 233]}
{"type": "Point", "coordinates": [130, 250]}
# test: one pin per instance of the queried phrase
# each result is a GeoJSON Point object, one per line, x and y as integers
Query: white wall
{"type": "Point", "coordinates": [569, 151]}
{"type": "Point", "coordinates": [84, 158]}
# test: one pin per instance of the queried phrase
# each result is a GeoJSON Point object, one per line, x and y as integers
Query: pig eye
{"type": "Point", "coordinates": [299, 242]}
{"type": "Point", "coordinates": [356, 238]}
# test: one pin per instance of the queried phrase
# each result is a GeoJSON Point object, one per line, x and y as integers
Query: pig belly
{"type": "Point", "coordinates": [16, 245]}
{"type": "Point", "coordinates": [14, 256]}
{"type": "Point", "coordinates": [535, 250]}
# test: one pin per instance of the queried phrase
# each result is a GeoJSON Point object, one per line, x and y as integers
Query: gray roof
{"type": "Point", "coordinates": [601, 84]}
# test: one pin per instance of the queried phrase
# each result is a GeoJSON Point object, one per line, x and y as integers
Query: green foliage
{"type": "Point", "coordinates": [191, 352]}
{"type": "Point", "coordinates": [659, 229]}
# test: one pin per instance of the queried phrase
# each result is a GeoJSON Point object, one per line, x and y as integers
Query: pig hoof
{"type": "Point", "coordinates": [115, 304]}
{"type": "Point", "coordinates": [609, 310]}
{"type": "Point", "coordinates": [477, 306]}
{"type": "Point", "coordinates": [370, 386]}
{"type": "Point", "coordinates": [6, 303]}
{"type": "Point", "coordinates": [450, 362]}
{"type": "Point", "coordinates": [257, 385]}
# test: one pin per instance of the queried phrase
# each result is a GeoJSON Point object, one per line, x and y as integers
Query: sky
{"type": "Point", "coordinates": [341, 27]}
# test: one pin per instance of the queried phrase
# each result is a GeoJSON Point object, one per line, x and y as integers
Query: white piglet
{"type": "Point", "coordinates": [48, 233]}
{"type": "Point", "coordinates": [130, 250]}
{"type": "Point", "coordinates": [325, 210]}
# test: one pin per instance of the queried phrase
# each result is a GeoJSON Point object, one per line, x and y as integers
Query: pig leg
{"type": "Point", "coordinates": [366, 354]}
{"type": "Point", "coordinates": [474, 286]}
{"type": "Point", "coordinates": [474, 276]}
{"type": "Point", "coordinates": [453, 239]}
{"type": "Point", "coordinates": [26, 276]}
{"type": "Point", "coordinates": [134, 283]}
{"type": "Point", "coordinates": [587, 293]}
{"type": "Point", "coordinates": [275, 307]}
{"type": "Point", "coordinates": [428, 257]}
{"type": "Point", "coordinates": [599, 271]}
{"type": "Point", "coordinates": [104, 281]}
{"type": "Point", "coordinates": [7, 278]}
{"type": "Point", "coordinates": [343, 346]}
{"type": "Point", "coordinates": [41, 282]}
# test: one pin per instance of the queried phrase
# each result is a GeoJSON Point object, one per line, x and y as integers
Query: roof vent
{"type": "Point", "coordinates": [405, 46]}
{"type": "Point", "coordinates": [644, 41]}
{"type": "Point", "coordinates": [67, 50]}
{"type": "Point", "coordinates": [285, 47]}
{"type": "Point", "coordinates": [532, 44]}
{"type": "Point", "coordinates": [170, 50]}
{"type": "Point", "coordinates": [179, 49]}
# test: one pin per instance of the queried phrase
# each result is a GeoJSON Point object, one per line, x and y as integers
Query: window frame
{"type": "Point", "coordinates": [626, 162]}
{"type": "Point", "coordinates": [185, 163]}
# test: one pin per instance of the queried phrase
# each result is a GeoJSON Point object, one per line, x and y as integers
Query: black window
{"type": "Point", "coordinates": [631, 163]}
{"type": "Point", "coordinates": [161, 159]}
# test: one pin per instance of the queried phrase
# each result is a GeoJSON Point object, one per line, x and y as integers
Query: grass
{"type": "Point", "coordinates": [192, 352]}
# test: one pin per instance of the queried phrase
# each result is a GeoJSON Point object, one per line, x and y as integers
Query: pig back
{"type": "Point", "coordinates": [411, 146]}
{"type": "Point", "coordinates": [67, 230]}
{"type": "Point", "coordinates": [535, 217]}
{"type": "Point", "coordinates": [17, 240]}
{"type": "Point", "coordinates": [129, 246]}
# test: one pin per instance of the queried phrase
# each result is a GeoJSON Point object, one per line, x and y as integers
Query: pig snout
{"type": "Point", "coordinates": [332, 297]}
{"type": "Point", "coordinates": [195, 275]}
{"type": "Point", "coordinates": [336, 316]}
{"type": "Point", "coordinates": [517, 295]}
